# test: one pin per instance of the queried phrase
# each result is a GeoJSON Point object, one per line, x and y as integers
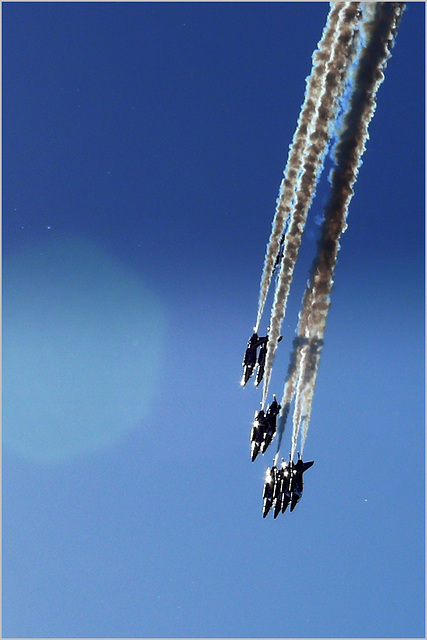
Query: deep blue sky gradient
{"type": "Point", "coordinates": [143, 147]}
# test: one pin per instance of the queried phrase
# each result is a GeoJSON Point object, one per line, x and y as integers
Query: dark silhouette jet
{"type": "Point", "coordinates": [261, 361]}
{"type": "Point", "coordinates": [270, 426]}
{"type": "Point", "coordinates": [285, 490]}
{"type": "Point", "coordinates": [261, 364]}
{"type": "Point", "coordinates": [296, 483]}
{"type": "Point", "coordinates": [250, 358]}
{"type": "Point", "coordinates": [269, 489]}
{"type": "Point", "coordinates": [257, 433]}
{"type": "Point", "coordinates": [278, 492]}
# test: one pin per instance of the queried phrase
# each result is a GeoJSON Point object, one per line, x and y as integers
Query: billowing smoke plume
{"type": "Point", "coordinates": [334, 82]}
{"type": "Point", "coordinates": [314, 84]}
{"type": "Point", "coordinates": [380, 31]}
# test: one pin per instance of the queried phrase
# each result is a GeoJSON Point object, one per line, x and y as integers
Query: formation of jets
{"type": "Point", "coordinates": [283, 486]}
{"type": "Point", "coordinates": [264, 424]}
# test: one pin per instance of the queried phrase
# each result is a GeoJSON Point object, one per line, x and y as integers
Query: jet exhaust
{"type": "Point", "coordinates": [348, 68]}
{"type": "Point", "coordinates": [381, 31]}
{"type": "Point", "coordinates": [296, 151]}
{"type": "Point", "coordinates": [334, 82]}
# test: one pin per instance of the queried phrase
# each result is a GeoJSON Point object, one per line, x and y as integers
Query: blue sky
{"type": "Point", "coordinates": [143, 147]}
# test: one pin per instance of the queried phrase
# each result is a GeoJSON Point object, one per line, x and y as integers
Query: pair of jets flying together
{"type": "Point", "coordinates": [264, 428]}
{"type": "Point", "coordinates": [283, 485]}
{"type": "Point", "coordinates": [253, 358]}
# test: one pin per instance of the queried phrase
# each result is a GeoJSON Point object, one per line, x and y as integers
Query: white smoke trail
{"type": "Point", "coordinates": [380, 28]}
{"type": "Point", "coordinates": [296, 150]}
{"type": "Point", "coordinates": [294, 366]}
{"type": "Point", "coordinates": [309, 368]}
{"type": "Point", "coordinates": [334, 83]}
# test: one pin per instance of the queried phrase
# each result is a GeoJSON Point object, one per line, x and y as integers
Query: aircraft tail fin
{"type": "Point", "coordinates": [307, 465]}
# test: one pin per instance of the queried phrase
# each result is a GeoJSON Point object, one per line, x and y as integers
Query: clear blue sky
{"type": "Point", "coordinates": [143, 147]}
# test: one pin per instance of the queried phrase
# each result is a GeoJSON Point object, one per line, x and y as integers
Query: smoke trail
{"type": "Point", "coordinates": [309, 366]}
{"type": "Point", "coordinates": [283, 416]}
{"type": "Point", "coordinates": [296, 150]}
{"type": "Point", "coordinates": [381, 31]}
{"type": "Point", "coordinates": [294, 366]}
{"type": "Point", "coordinates": [334, 84]}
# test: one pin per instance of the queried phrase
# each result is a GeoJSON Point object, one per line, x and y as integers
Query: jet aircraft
{"type": "Point", "coordinates": [297, 482]}
{"type": "Point", "coordinates": [269, 488]}
{"type": "Point", "coordinates": [261, 361]}
{"type": "Point", "coordinates": [270, 418]}
{"type": "Point", "coordinates": [257, 433]}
